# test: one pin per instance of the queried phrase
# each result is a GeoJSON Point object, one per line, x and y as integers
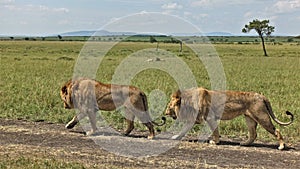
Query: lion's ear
{"type": "Point", "coordinates": [177, 94]}
{"type": "Point", "coordinates": [64, 90]}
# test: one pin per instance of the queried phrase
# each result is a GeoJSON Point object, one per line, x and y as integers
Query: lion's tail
{"type": "Point", "coordinates": [145, 102]}
{"type": "Point", "coordinates": [270, 111]}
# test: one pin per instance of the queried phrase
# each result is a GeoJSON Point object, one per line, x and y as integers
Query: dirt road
{"type": "Point", "coordinates": [45, 140]}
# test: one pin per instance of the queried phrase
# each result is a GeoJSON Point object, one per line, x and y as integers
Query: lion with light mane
{"type": "Point", "coordinates": [90, 96]}
{"type": "Point", "coordinates": [198, 104]}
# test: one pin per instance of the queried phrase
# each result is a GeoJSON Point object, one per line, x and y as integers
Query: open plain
{"type": "Point", "coordinates": [32, 118]}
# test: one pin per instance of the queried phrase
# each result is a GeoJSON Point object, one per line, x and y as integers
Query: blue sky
{"type": "Point", "coordinates": [47, 17]}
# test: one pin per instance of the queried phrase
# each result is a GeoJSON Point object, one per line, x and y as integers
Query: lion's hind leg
{"type": "Point", "coordinates": [130, 122]}
{"type": "Point", "coordinates": [265, 121]}
{"type": "Point", "coordinates": [251, 124]}
{"type": "Point", "coordinates": [280, 139]}
{"type": "Point", "coordinates": [271, 129]}
{"type": "Point", "coordinates": [145, 118]}
{"type": "Point", "coordinates": [267, 124]}
{"type": "Point", "coordinates": [150, 126]}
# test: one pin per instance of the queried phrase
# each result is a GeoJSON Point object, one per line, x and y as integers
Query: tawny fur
{"type": "Point", "coordinates": [196, 105]}
{"type": "Point", "coordinates": [89, 96]}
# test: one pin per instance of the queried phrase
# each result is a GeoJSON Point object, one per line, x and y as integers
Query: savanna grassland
{"type": "Point", "coordinates": [32, 73]}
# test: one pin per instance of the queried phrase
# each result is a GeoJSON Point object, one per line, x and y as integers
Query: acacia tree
{"type": "Point", "coordinates": [262, 28]}
{"type": "Point", "coordinates": [59, 37]}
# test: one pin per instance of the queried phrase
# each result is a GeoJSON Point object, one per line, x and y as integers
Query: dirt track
{"type": "Point", "coordinates": [46, 140]}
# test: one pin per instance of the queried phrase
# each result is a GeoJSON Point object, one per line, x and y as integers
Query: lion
{"type": "Point", "coordinates": [196, 105]}
{"type": "Point", "coordinates": [90, 96]}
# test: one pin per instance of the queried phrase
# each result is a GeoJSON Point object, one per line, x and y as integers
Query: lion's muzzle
{"type": "Point", "coordinates": [171, 113]}
{"type": "Point", "coordinates": [66, 106]}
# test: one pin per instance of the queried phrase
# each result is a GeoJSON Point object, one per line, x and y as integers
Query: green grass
{"type": "Point", "coordinates": [32, 73]}
{"type": "Point", "coordinates": [31, 76]}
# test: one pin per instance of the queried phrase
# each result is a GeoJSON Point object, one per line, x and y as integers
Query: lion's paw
{"type": "Point", "coordinates": [176, 137]}
{"type": "Point", "coordinates": [246, 143]}
{"type": "Point", "coordinates": [212, 142]}
{"type": "Point", "coordinates": [281, 147]}
{"type": "Point", "coordinates": [69, 126]}
{"type": "Point", "coordinates": [150, 137]}
{"type": "Point", "coordinates": [91, 133]}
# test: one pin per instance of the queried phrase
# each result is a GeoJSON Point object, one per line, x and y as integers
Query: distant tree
{"type": "Point", "coordinates": [59, 37]}
{"type": "Point", "coordinates": [152, 39]}
{"type": "Point", "coordinates": [262, 28]}
{"type": "Point", "coordinates": [180, 42]}
{"type": "Point", "coordinates": [290, 40]}
{"type": "Point", "coordinates": [11, 38]}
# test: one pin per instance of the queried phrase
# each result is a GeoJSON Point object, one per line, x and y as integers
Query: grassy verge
{"type": "Point", "coordinates": [36, 163]}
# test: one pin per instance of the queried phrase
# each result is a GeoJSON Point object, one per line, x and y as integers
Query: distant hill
{"type": "Point", "coordinates": [218, 34]}
{"type": "Point", "coordinates": [107, 33]}
{"type": "Point", "coordinates": [298, 37]}
{"type": "Point", "coordinates": [96, 33]}
{"type": "Point", "coordinates": [78, 33]}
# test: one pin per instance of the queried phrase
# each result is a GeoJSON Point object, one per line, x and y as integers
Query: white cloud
{"type": "Point", "coordinates": [222, 3]}
{"type": "Point", "coordinates": [248, 14]}
{"type": "Point", "coordinates": [171, 6]}
{"type": "Point", "coordinates": [239, 2]}
{"type": "Point", "coordinates": [43, 8]}
{"type": "Point", "coordinates": [12, 7]}
{"type": "Point", "coordinates": [6, 1]}
{"type": "Point", "coordinates": [204, 15]}
{"type": "Point", "coordinates": [285, 6]}
{"type": "Point", "coordinates": [35, 8]}
{"type": "Point", "coordinates": [202, 18]}
{"type": "Point", "coordinates": [64, 10]}
{"type": "Point", "coordinates": [202, 3]}
{"type": "Point", "coordinates": [187, 14]}
{"type": "Point", "coordinates": [23, 23]}
{"type": "Point", "coordinates": [64, 22]}
{"type": "Point", "coordinates": [206, 3]}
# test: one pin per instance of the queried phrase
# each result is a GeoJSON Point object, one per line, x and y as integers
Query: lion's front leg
{"type": "Point", "coordinates": [75, 120]}
{"type": "Point", "coordinates": [215, 137]}
{"type": "Point", "coordinates": [93, 121]}
{"type": "Point", "coordinates": [186, 128]}
{"type": "Point", "coordinates": [252, 131]}
{"type": "Point", "coordinates": [213, 125]}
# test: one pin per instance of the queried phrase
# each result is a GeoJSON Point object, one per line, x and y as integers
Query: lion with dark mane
{"type": "Point", "coordinates": [196, 105]}
{"type": "Point", "coordinates": [90, 96]}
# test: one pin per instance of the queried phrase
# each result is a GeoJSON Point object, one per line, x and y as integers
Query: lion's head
{"type": "Point", "coordinates": [173, 107]}
{"type": "Point", "coordinates": [66, 95]}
